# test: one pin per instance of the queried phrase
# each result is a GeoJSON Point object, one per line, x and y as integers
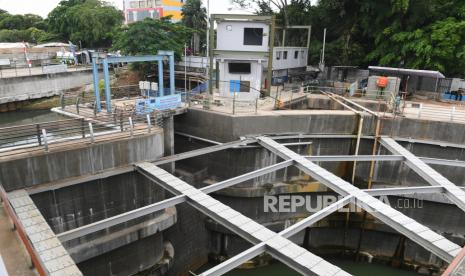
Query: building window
{"type": "Point", "coordinates": [239, 86]}
{"type": "Point", "coordinates": [239, 68]}
{"type": "Point", "coordinates": [245, 86]}
{"type": "Point", "coordinates": [253, 36]}
{"type": "Point", "coordinates": [285, 55]}
{"type": "Point", "coordinates": [278, 55]}
{"type": "Point", "coordinates": [296, 54]}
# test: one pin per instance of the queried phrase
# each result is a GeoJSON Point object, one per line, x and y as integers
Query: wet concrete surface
{"type": "Point", "coordinates": [11, 250]}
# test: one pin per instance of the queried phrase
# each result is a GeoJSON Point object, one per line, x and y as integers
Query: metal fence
{"type": "Point", "coordinates": [229, 105]}
{"type": "Point", "coordinates": [435, 112]}
{"type": "Point", "coordinates": [48, 135]}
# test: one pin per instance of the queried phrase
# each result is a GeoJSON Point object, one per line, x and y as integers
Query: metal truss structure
{"type": "Point", "coordinates": [277, 244]}
{"type": "Point", "coordinates": [160, 57]}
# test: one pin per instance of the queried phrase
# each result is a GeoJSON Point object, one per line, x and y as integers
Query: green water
{"type": "Point", "coordinates": [15, 118]}
{"type": "Point", "coordinates": [354, 268]}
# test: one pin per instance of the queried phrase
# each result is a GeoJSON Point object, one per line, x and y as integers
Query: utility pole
{"type": "Point", "coordinates": [270, 57]}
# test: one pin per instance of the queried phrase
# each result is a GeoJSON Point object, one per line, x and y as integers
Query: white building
{"type": "Point", "coordinates": [242, 51]}
{"type": "Point", "coordinates": [241, 54]}
{"type": "Point", "coordinates": [287, 60]}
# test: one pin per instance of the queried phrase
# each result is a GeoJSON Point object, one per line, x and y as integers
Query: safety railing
{"type": "Point", "coordinates": [49, 135]}
{"type": "Point", "coordinates": [82, 98]}
{"type": "Point", "coordinates": [230, 105]}
{"type": "Point", "coordinates": [33, 254]}
{"type": "Point", "coordinates": [437, 112]}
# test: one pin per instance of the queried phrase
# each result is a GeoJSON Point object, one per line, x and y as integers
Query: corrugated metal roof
{"type": "Point", "coordinates": [412, 72]}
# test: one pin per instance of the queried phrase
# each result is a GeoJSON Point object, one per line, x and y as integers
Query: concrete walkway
{"type": "Point", "coordinates": [11, 249]}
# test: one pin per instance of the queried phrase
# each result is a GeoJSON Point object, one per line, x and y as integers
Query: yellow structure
{"type": "Point", "coordinates": [173, 8]}
{"type": "Point", "coordinates": [137, 10]}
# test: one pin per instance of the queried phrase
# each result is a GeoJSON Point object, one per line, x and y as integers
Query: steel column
{"type": "Point", "coordinates": [95, 78]}
{"type": "Point", "coordinates": [161, 87]}
{"type": "Point", "coordinates": [172, 84]}
{"type": "Point", "coordinates": [106, 78]}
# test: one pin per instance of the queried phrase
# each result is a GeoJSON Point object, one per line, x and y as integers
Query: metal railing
{"type": "Point", "coordinates": [49, 135]}
{"type": "Point", "coordinates": [229, 105]}
{"type": "Point", "coordinates": [435, 112]}
{"type": "Point", "coordinates": [16, 224]}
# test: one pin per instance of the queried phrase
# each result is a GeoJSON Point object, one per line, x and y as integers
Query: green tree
{"type": "Point", "coordinates": [92, 22]}
{"type": "Point", "coordinates": [423, 34]}
{"type": "Point", "coordinates": [194, 16]}
{"type": "Point", "coordinates": [150, 35]}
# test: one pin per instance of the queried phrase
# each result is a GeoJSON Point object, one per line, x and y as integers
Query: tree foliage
{"type": "Point", "coordinates": [423, 34]}
{"type": "Point", "coordinates": [91, 22]}
{"type": "Point", "coordinates": [18, 28]}
{"type": "Point", "coordinates": [149, 36]}
{"type": "Point", "coordinates": [194, 16]}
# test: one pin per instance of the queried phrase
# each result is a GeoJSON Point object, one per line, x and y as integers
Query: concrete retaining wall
{"type": "Point", "coordinates": [41, 86]}
{"type": "Point", "coordinates": [80, 160]}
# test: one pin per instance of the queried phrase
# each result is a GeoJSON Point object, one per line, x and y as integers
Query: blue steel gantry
{"type": "Point", "coordinates": [160, 57]}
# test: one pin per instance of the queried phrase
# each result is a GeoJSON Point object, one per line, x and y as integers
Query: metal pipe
{"type": "Point", "coordinates": [91, 130]}
{"type": "Point", "coordinates": [357, 146]}
{"type": "Point", "coordinates": [44, 134]}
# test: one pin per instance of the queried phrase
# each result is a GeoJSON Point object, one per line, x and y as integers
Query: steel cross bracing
{"type": "Point", "coordinates": [279, 247]}
{"type": "Point", "coordinates": [418, 233]}
{"type": "Point", "coordinates": [133, 214]}
{"type": "Point", "coordinates": [286, 233]}
{"type": "Point", "coordinates": [454, 193]}
{"type": "Point", "coordinates": [140, 212]}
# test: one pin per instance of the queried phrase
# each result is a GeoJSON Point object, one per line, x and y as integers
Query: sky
{"type": "Point", "coordinates": [43, 7]}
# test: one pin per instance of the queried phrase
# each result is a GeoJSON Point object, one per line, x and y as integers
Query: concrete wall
{"type": "Point", "coordinates": [40, 86]}
{"type": "Point", "coordinates": [225, 127]}
{"type": "Point", "coordinates": [329, 236]}
{"type": "Point", "coordinates": [84, 159]}
{"type": "Point", "coordinates": [233, 39]}
{"type": "Point", "coordinates": [124, 249]}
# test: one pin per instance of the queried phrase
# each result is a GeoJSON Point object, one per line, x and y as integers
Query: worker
{"type": "Point", "coordinates": [459, 94]}
{"type": "Point", "coordinates": [382, 83]}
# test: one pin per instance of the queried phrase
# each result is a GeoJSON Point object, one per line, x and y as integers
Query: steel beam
{"type": "Point", "coordinates": [158, 206]}
{"type": "Point", "coordinates": [131, 59]}
{"type": "Point", "coordinates": [453, 193]}
{"type": "Point", "coordinates": [258, 249]}
{"type": "Point", "coordinates": [202, 151]}
{"type": "Point", "coordinates": [309, 221]}
{"type": "Point", "coordinates": [418, 233]}
{"type": "Point", "coordinates": [443, 162]}
{"type": "Point", "coordinates": [282, 249]}
{"type": "Point", "coordinates": [405, 191]}
{"type": "Point", "coordinates": [358, 158]}
{"type": "Point", "coordinates": [235, 261]}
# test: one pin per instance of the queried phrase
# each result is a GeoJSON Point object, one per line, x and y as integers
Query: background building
{"type": "Point", "coordinates": [137, 10]}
